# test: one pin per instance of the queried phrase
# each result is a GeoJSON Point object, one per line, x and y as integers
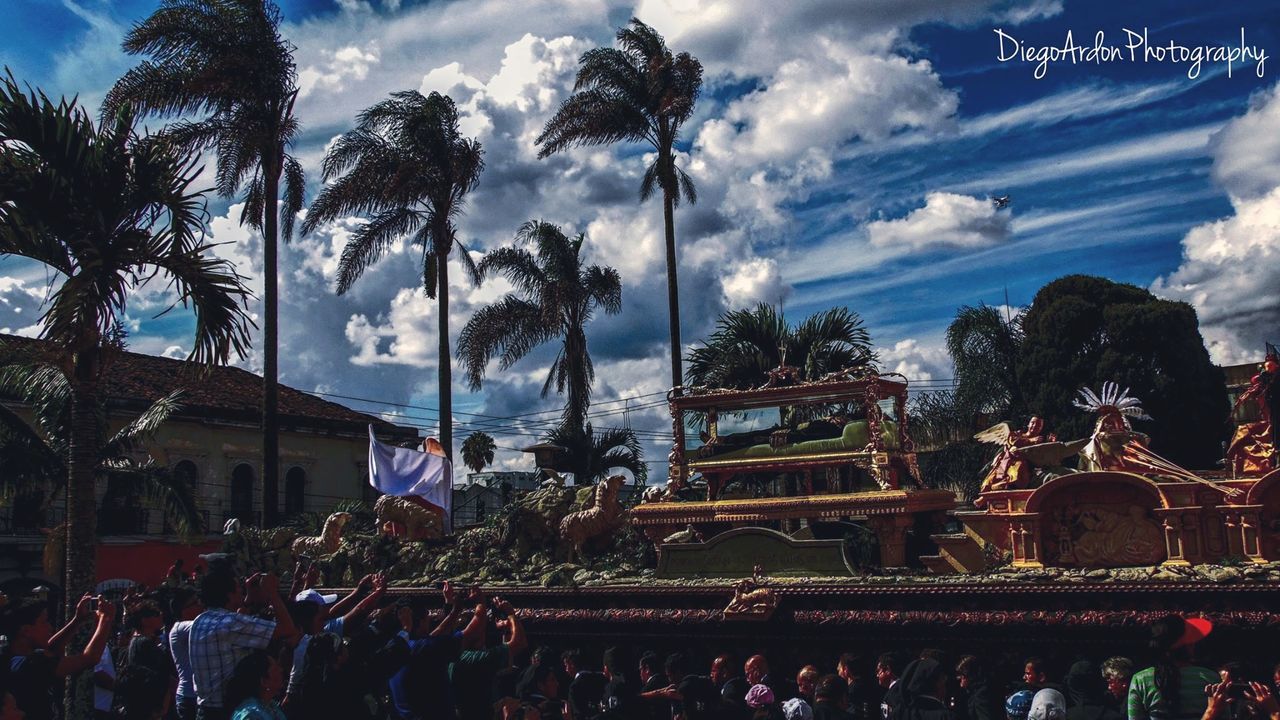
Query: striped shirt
{"type": "Point", "coordinates": [1145, 700]}
{"type": "Point", "coordinates": [218, 640]}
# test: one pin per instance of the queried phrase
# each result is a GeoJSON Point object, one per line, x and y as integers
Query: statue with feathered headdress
{"type": "Point", "coordinates": [1106, 449]}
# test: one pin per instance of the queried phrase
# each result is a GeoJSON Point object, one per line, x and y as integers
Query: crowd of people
{"type": "Point", "coordinates": [242, 649]}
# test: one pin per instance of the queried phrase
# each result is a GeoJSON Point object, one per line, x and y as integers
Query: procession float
{"type": "Point", "coordinates": [802, 503]}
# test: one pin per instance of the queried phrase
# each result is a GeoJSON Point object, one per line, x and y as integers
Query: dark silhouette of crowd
{"type": "Point", "coordinates": [242, 649]}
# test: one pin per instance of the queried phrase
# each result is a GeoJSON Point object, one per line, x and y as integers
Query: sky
{"type": "Point", "coordinates": [845, 153]}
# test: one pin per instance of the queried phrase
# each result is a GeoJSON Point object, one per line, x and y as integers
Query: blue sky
{"type": "Point", "coordinates": [845, 153]}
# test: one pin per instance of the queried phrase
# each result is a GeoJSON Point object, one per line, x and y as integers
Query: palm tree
{"type": "Point", "coordinates": [749, 343]}
{"type": "Point", "coordinates": [224, 63]}
{"type": "Point", "coordinates": [556, 298]}
{"type": "Point", "coordinates": [637, 92]}
{"type": "Point", "coordinates": [591, 455]}
{"type": "Point", "coordinates": [40, 449]}
{"type": "Point", "coordinates": [984, 347]}
{"type": "Point", "coordinates": [408, 166]}
{"type": "Point", "coordinates": [477, 451]}
{"type": "Point", "coordinates": [105, 210]}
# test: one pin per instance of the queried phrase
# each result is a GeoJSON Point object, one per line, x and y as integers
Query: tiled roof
{"type": "Point", "coordinates": [229, 393]}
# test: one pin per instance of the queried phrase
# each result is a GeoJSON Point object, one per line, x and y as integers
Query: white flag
{"type": "Point", "coordinates": [403, 471]}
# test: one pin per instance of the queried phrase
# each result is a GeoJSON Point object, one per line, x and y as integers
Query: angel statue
{"type": "Point", "coordinates": [1114, 443]}
{"type": "Point", "coordinates": [1025, 455]}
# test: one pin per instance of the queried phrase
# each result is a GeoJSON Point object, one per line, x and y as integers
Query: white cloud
{"type": "Point", "coordinates": [1247, 151]}
{"type": "Point", "coordinates": [1230, 268]}
{"type": "Point", "coordinates": [754, 281]}
{"type": "Point", "coordinates": [918, 361]}
{"type": "Point", "coordinates": [948, 220]}
{"type": "Point", "coordinates": [349, 63]}
{"type": "Point", "coordinates": [1230, 272]}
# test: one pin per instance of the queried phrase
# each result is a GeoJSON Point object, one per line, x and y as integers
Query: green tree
{"type": "Point", "coordinates": [1081, 331]}
{"type": "Point", "coordinates": [221, 68]}
{"type": "Point", "coordinates": [638, 92]}
{"type": "Point", "coordinates": [592, 455]}
{"type": "Point", "coordinates": [556, 296]}
{"type": "Point", "coordinates": [477, 451]}
{"type": "Point", "coordinates": [408, 166]}
{"type": "Point", "coordinates": [747, 344]}
{"type": "Point", "coordinates": [104, 209]}
{"type": "Point", "coordinates": [985, 347]}
{"type": "Point", "coordinates": [39, 451]}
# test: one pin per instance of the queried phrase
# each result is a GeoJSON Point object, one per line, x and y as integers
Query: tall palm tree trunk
{"type": "Point", "coordinates": [673, 288]}
{"type": "Point", "coordinates": [446, 359]}
{"type": "Point", "coordinates": [82, 513]}
{"type": "Point", "coordinates": [270, 342]}
{"type": "Point", "coordinates": [575, 356]}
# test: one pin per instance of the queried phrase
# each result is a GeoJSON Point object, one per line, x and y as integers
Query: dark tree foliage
{"type": "Point", "coordinates": [1082, 331]}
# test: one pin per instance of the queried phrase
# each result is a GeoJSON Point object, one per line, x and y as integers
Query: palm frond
{"type": "Point", "coordinates": [129, 439]}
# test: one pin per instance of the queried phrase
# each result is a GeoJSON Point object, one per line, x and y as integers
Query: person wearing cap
{"type": "Point", "coordinates": [980, 702]}
{"type": "Point", "coordinates": [761, 702]}
{"type": "Point", "coordinates": [1173, 689]}
{"type": "Point", "coordinates": [315, 613]}
{"type": "Point", "coordinates": [420, 689]}
{"type": "Point", "coordinates": [1048, 704]}
{"type": "Point", "coordinates": [1018, 705]}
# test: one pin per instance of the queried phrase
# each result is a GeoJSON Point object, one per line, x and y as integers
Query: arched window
{"type": "Point", "coordinates": [480, 510]}
{"type": "Point", "coordinates": [295, 484]}
{"type": "Point", "coordinates": [187, 472]}
{"type": "Point", "coordinates": [242, 480]}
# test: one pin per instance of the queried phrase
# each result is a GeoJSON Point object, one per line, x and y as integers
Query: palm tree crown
{"type": "Point", "coordinates": [409, 167]}
{"type": "Point", "coordinates": [477, 451]}
{"type": "Point", "coordinates": [749, 343]}
{"type": "Point", "coordinates": [224, 63]}
{"type": "Point", "coordinates": [106, 210]}
{"type": "Point", "coordinates": [556, 295]}
{"type": "Point", "coordinates": [637, 92]}
{"type": "Point", "coordinates": [592, 455]}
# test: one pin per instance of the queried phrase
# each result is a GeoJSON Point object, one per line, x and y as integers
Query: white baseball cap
{"type": "Point", "coordinates": [315, 597]}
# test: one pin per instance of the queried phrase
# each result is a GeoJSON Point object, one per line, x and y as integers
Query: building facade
{"type": "Point", "coordinates": [213, 444]}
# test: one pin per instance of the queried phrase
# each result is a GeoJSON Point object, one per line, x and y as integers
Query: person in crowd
{"type": "Point", "coordinates": [104, 685]}
{"type": "Point", "coordinates": [420, 688]}
{"type": "Point", "coordinates": [807, 682]}
{"type": "Point", "coordinates": [1035, 675]}
{"type": "Point", "coordinates": [185, 607]}
{"type": "Point", "coordinates": [797, 709]}
{"type": "Point", "coordinates": [980, 702]}
{"type": "Point", "coordinates": [221, 637]}
{"type": "Point", "coordinates": [544, 693]}
{"type": "Point", "coordinates": [1172, 689]}
{"type": "Point", "coordinates": [864, 693]}
{"type": "Point", "coordinates": [253, 686]}
{"type": "Point", "coordinates": [1116, 672]}
{"type": "Point", "coordinates": [142, 694]}
{"type": "Point", "coordinates": [761, 702]}
{"type": "Point", "coordinates": [1087, 696]}
{"type": "Point", "coordinates": [620, 699]}
{"type": "Point", "coordinates": [757, 671]}
{"type": "Point", "coordinates": [889, 668]}
{"type": "Point", "coordinates": [586, 687]}
{"type": "Point", "coordinates": [314, 613]}
{"type": "Point", "coordinates": [1018, 705]}
{"type": "Point", "coordinates": [36, 654]}
{"type": "Point", "coordinates": [484, 653]}
{"type": "Point", "coordinates": [695, 697]}
{"type": "Point", "coordinates": [726, 675]}
{"type": "Point", "coordinates": [1227, 700]}
{"type": "Point", "coordinates": [148, 646]}
{"type": "Point", "coordinates": [656, 690]}
{"type": "Point", "coordinates": [8, 704]}
{"type": "Point", "coordinates": [830, 699]}
{"type": "Point", "coordinates": [1048, 704]}
{"type": "Point", "coordinates": [921, 692]}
